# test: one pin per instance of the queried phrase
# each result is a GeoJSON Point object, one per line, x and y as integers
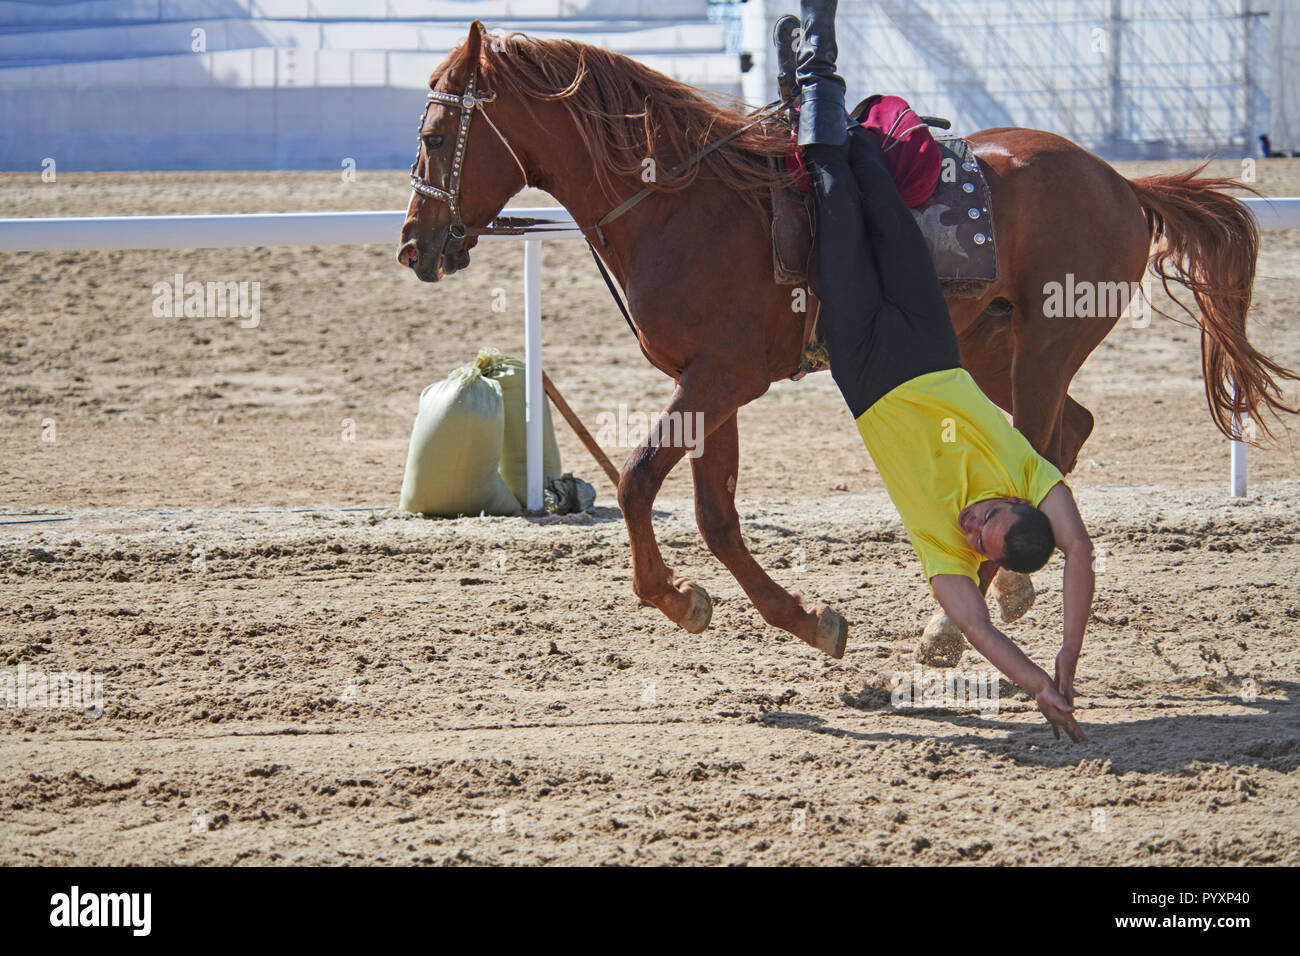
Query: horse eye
{"type": "Point", "coordinates": [432, 141]}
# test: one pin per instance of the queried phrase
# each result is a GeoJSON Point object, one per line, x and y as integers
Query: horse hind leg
{"type": "Point", "coordinates": [714, 473]}
{"type": "Point", "coordinates": [1076, 426]}
{"type": "Point", "coordinates": [942, 642]}
{"type": "Point", "coordinates": [1014, 593]}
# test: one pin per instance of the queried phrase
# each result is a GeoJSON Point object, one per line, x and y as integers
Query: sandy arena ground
{"type": "Point", "coordinates": [289, 682]}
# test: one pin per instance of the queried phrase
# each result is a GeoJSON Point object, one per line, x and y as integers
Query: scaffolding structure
{"type": "Point", "coordinates": [1124, 78]}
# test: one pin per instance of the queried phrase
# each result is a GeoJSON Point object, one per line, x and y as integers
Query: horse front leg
{"type": "Point", "coordinates": [700, 403]}
{"type": "Point", "coordinates": [714, 473]}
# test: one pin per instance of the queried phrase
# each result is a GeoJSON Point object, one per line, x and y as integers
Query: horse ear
{"type": "Point", "coordinates": [474, 44]}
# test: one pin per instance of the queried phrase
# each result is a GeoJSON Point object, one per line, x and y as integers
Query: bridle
{"type": "Point", "coordinates": [467, 102]}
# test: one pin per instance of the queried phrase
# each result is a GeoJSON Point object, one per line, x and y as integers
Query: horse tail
{"type": "Point", "coordinates": [1207, 242]}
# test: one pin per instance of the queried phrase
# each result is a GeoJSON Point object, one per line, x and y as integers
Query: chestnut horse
{"type": "Point", "coordinates": [695, 261]}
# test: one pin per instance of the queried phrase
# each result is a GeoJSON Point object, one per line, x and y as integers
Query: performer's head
{"type": "Point", "coordinates": [1009, 531]}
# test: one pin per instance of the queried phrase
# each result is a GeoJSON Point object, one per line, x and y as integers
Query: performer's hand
{"type": "Point", "coordinates": [1066, 661]}
{"type": "Point", "coordinates": [1059, 713]}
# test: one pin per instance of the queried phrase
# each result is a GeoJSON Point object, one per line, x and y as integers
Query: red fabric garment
{"type": "Point", "coordinates": [910, 151]}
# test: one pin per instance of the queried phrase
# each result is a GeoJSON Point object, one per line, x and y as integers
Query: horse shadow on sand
{"type": "Point", "coordinates": [598, 514]}
{"type": "Point", "coordinates": [1267, 735]}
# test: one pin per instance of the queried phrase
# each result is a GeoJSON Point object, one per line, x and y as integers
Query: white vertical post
{"type": "Point", "coordinates": [1238, 456]}
{"type": "Point", "coordinates": [533, 371]}
{"type": "Point", "coordinates": [1238, 469]}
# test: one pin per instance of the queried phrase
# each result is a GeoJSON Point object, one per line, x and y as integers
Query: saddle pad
{"type": "Point", "coordinates": [957, 221]}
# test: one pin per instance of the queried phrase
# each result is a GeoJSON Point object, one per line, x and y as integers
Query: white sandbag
{"type": "Point", "coordinates": [455, 450]}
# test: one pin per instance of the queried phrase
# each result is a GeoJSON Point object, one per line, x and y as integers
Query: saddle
{"type": "Point", "coordinates": [956, 222]}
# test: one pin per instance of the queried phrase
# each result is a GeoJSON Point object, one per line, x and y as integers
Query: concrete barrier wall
{"type": "Point", "coordinates": [245, 109]}
{"type": "Point", "coordinates": [162, 39]}
{"type": "Point", "coordinates": [45, 13]}
{"type": "Point", "coordinates": [281, 84]}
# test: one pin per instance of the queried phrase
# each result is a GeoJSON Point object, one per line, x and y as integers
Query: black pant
{"type": "Point", "coordinates": [883, 314]}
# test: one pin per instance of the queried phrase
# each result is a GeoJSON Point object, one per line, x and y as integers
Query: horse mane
{"type": "Point", "coordinates": [625, 113]}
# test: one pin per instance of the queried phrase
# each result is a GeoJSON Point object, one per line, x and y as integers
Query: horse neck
{"type": "Point", "coordinates": [569, 173]}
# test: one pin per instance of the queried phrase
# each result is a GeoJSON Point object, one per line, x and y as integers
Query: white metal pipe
{"type": "Point", "coordinates": [199, 232]}
{"type": "Point", "coordinates": [1239, 469]}
{"type": "Point", "coordinates": [1279, 213]}
{"type": "Point", "coordinates": [207, 232]}
{"type": "Point", "coordinates": [1238, 456]}
{"type": "Point", "coordinates": [329, 228]}
{"type": "Point", "coordinates": [533, 370]}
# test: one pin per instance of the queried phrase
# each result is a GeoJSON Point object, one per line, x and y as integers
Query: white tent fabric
{"type": "Point", "coordinates": [1284, 91]}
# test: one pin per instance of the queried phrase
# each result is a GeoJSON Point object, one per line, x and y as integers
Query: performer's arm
{"type": "Point", "coordinates": [1077, 582]}
{"type": "Point", "coordinates": [964, 604]}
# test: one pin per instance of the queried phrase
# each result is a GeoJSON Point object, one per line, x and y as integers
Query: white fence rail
{"type": "Point", "coordinates": [329, 228]}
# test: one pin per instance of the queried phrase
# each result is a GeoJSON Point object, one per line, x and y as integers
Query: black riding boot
{"type": "Point", "coordinates": [822, 117]}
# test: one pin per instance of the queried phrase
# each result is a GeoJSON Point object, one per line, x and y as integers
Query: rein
{"type": "Point", "coordinates": [625, 205]}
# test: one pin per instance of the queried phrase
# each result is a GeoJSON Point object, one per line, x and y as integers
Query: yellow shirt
{"type": "Point", "coordinates": [941, 445]}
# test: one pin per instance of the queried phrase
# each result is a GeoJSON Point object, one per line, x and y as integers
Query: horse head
{"type": "Point", "coordinates": [459, 182]}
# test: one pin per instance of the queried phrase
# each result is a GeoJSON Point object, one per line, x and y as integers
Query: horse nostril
{"type": "Point", "coordinates": [408, 255]}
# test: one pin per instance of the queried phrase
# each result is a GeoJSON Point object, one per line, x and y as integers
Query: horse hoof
{"type": "Point", "coordinates": [832, 632]}
{"type": "Point", "coordinates": [942, 643]}
{"type": "Point", "coordinates": [701, 610]}
{"type": "Point", "coordinates": [1015, 594]}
